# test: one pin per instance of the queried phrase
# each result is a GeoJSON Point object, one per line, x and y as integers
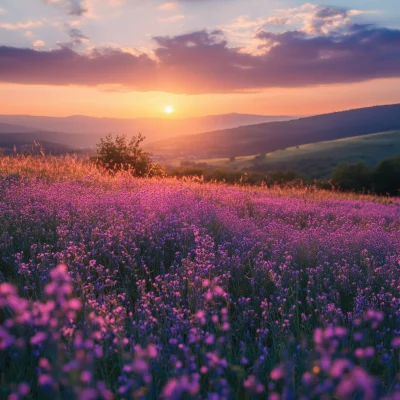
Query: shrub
{"type": "Point", "coordinates": [282, 177]}
{"type": "Point", "coordinates": [119, 153]}
{"type": "Point", "coordinates": [384, 179]}
{"type": "Point", "coordinates": [356, 177]}
{"type": "Point", "coordinates": [387, 176]}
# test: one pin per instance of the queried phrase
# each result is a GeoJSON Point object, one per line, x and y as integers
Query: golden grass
{"type": "Point", "coordinates": [71, 167]}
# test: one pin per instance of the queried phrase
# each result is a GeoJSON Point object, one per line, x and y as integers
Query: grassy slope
{"type": "Point", "coordinates": [318, 159]}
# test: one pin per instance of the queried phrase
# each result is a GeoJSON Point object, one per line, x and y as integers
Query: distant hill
{"type": "Point", "coordinates": [152, 128]}
{"type": "Point", "coordinates": [268, 137]}
{"type": "Point", "coordinates": [10, 128]}
{"type": "Point", "coordinates": [27, 143]}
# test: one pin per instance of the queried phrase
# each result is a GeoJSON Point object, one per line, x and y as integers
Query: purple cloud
{"type": "Point", "coordinates": [64, 66]}
{"type": "Point", "coordinates": [329, 12]}
{"type": "Point", "coordinates": [203, 62]}
{"type": "Point", "coordinates": [73, 7]}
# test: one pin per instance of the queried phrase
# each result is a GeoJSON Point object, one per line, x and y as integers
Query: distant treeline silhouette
{"type": "Point", "coordinates": [383, 179]}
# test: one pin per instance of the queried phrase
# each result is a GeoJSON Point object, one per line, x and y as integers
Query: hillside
{"type": "Point", "coordinates": [11, 128]}
{"type": "Point", "coordinates": [317, 160]}
{"type": "Point", "coordinates": [54, 142]}
{"type": "Point", "coordinates": [265, 138]}
{"type": "Point", "coordinates": [29, 142]}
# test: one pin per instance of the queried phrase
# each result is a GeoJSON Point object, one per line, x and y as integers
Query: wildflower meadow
{"type": "Point", "coordinates": [114, 287]}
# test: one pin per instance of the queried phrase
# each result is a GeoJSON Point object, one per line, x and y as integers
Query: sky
{"type": "Point", "coordinates": [133, 58]}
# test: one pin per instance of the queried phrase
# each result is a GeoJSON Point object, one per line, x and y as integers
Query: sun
{"type": "Point", "coordinates": [168, 109]}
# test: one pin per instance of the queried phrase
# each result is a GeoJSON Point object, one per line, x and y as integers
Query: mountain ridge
{"type": "Point", "coordinates": [152, 128]}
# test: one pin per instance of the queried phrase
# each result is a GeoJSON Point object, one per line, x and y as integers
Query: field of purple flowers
{"type": "Point", "coordinates": [117, 288]}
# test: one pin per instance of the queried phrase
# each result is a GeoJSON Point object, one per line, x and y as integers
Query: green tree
{"type": "Point", "coordinates": [387, 176]}
{"type": "Point", "coordinates": [119, 153]}
{"type": "Point", "coordinates": [356, 177]}
{"type": "Point", "coordinates": [282, 177]}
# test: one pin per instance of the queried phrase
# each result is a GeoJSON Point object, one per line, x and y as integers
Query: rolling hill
{"type": "Point", "coordinates": [317, 160]}
{"type": "Point", "coordinates": [269, 137]}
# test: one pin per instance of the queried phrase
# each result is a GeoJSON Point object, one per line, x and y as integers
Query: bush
{"type": "Point", "coordinates": [356, 177]}
{"type": "Point", "coordinates": [121, 154]}
{"type": "Point", "coordinates": [384, 179]}
{"type": "Point", "coordinates": [387, 176]}
{"type": "Point", "coordinates": [282, 177]}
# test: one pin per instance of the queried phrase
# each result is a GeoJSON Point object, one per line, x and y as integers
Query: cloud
{"type": "Point", "coordinates": [172, 5]}
{"type": "Point", "coordinates": [64, 66]}
{"type": "Point", "coordinates": [77, 36]}
{"type": "Point", "coordinates": [243, 29]}
{"type": "Point", "coordinates": [38, 43]}
{"type": "Point", "coordinates": [244, 22]}
{"type": "Point", "coordinates": [330, 12]}
{"type": "Point", "coordinates": [21, 25]}
{"type": "Point", "coordinates": [317, 19]}
{"type": "Point", "coordinates": [172, 18]}
{"type": "Point", "coordinates": [204, 62]}
{"type": "Point", "coordinates": [324, 19]}
{"type": "Point", "coordinates": [73, 7]}
{"type": "Point", "coordinates": [2, 11]}
{"type": "Point", "coordinates": [310, 18]}
{"type": "Point", "coordinates": [116, 3]}
{"type": "Point", "coordinates": [277, 21]}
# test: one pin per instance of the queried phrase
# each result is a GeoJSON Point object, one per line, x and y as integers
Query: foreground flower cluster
{"type": "Point", "coordinates": [142, 289]}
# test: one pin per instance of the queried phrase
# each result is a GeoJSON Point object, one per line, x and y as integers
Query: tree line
{"type": "Point", "coordinates": [383, 179]}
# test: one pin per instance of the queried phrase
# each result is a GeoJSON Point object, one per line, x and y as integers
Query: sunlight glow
{"type": "Point", "coordinates": [169, 109]}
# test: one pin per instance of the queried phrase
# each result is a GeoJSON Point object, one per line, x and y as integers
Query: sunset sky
{"type": "Point", "coordinates": [132, 58]}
